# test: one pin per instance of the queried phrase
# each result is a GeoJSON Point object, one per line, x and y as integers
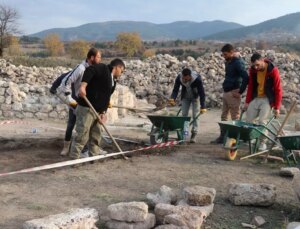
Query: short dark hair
{"type": "Point", "coordinates": [117, 62]}
{"type": "Point", "coordinates": [92, 52]}
{"type": "Point", "coordinates": [186, 72]}
{"type": "Point", "coordinates": [227, 48]}
{"type": "Point", "coordinates": [256, 56]}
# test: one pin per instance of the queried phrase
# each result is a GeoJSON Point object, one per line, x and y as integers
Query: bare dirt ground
{"type": "Point", "coordinates": [34, 195]}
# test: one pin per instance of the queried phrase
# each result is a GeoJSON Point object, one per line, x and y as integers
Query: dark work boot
{"type": "Point", "coordinates": [193, 136]}
{"type": "Point", "coordinates": [219, 140]}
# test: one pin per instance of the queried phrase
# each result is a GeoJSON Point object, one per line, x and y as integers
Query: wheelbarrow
{"type": "Point", "coordinates": [238, 130]}
{"type": "Point", "coordinates": [290, 143]}
{"type": "Point", "coordinates": [163, 125]}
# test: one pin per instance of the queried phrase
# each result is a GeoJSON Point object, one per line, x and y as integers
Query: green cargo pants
{"type": "Point", "coordinates": [88, 130]}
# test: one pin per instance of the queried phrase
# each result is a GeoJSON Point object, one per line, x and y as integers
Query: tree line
{"type": "Point", "coordinates": [127, 44]}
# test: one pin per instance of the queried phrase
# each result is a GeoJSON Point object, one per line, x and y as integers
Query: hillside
{"type": "Point", "coordinates": [278, 28]}
{"type": "Point", "coordinates": [104, 31]}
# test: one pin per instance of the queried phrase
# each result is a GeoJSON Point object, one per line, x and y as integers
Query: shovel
{"type": "Point", "coordinates": [134, 109]}
{"type": "Point", "coordinates": [139, 110]}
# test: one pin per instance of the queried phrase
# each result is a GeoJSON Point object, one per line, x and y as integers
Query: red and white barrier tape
{"type": "Point", "coordinates": [82, 160]}
{"type": "Point", "coordinates": [6, 122]}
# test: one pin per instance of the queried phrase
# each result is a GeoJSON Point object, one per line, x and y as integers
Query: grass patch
{"type": "Point", "coordinates": [35, 207]}
{"type": "Point", "coordinates": [43, 62]}
{"type": "Point", "coordinates": [104, 197]}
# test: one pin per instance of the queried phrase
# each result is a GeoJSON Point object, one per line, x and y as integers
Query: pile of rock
{"type": "Point", "coordinates": [156, 75]}
{"type": "Point", "coordinates": [29, 75]}
{"type": "Point", "coordinates": [191, 209]}
{"type": "Point", "coordinates": [189, 212]}
{"type": "Point", "coordinates": [23, 89]}
{"type": "Point", "coordinates": [171, 211]}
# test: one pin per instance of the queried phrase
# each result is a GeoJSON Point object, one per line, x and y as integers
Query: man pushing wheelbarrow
{"type": "Point", "coordinates": [192, 90]}
{"type": "Point", "coordinates": [264, 92]}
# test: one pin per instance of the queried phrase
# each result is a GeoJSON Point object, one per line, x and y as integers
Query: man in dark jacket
{"type": "Point", "coordinates": [98, 83]}
{"type": "Point", "coordinates": [235, 83]}
{"type": "Point", "coordinates": [264, 92]}
{"type": "Point", "coordinates": [192, 89]}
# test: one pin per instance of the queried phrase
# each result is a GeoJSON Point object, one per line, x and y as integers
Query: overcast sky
{"type": "Point", "coordinates": [38, 15]}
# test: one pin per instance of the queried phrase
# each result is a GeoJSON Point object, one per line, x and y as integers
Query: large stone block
{"type": "Point", "coordinates": [2, 99]}
{"type": "Point", "coordinates": [80, 218]}
{"type": "Point", "coordinates": [204, 211]}
{"type": "Point", "coordinates": [41, 116]}
{"type": "Point", "coordinates": [288, 171]}
{"type": "Point", "coordinates": [17, 106]}
{"type": "Point", "coordinates": [147, 224]}
{"type": "Point", "coordinates": [198, 195]}
{"type": "Point", "coordinates": [163, 210]}
{"type": "Point", "coordinates": [293, 225]}
{"type": "Point", "coordinates": [128, 212]}
{"type": "Point", "coordinates": [165, 195]}
{"type": "Point", "coordinates": [252, 194]}
{"type": "Point", "coordinates": [8, 114]}
{"type": "Point", "coordinates": [53, 114]}
{"type": "Point", "coordinates": [184, 219]}
{"type": "Point", "coordinates": [45, 108]}
{"type": "Point", "coordinates": [2, 91]}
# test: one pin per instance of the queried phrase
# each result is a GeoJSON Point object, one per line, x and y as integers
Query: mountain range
{"type": "Point", "coordinates": [184, 30]}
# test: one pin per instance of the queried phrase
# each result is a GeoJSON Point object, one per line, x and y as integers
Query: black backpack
{"type": "Point", "coordinates": [57, 82]}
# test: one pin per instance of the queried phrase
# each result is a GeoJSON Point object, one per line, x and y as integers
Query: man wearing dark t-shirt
{"type": "Point", "coordinates": [98, 83]}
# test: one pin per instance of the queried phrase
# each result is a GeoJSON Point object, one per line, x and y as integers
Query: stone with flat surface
{"type": "Point", "coordinates": [79, 218]}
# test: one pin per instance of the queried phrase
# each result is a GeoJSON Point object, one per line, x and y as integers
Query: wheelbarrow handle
{"type": "Point", "coordinates": [242, 113]}
{"type": "Point", "coordinates": [197, 116]}
{"type": "Point", "coordinates": [195, 119]}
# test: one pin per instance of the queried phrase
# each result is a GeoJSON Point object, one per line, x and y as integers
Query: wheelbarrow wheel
{"type": "Point", "coordinates": [231, 153]}
{"type": "Point", "coordinates": [156, 138]}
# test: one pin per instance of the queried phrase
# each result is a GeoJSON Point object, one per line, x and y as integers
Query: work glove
{"type": "Point", "coordinates": [276, 112]}
{"type": "Point", "coordinates": [203, 110]}
{"type": "Point", "coordinates": [110, 105]}
{"type": "Point", "coordinates": [71, 102]}
{"type": "Point", "coordinates": [171, 102]}
{"type": "Point", "coordinates": [245, 107]}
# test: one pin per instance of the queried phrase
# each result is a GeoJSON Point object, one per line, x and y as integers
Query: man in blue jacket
{"type": "Point", "coordinates": [235, 83]}
{"type": "Point", "coordinates": [192, 89]}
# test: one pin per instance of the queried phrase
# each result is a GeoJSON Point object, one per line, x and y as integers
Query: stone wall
{"type": "Point", "coordinates": [156, 75]}
{"type": "Point", "coordinates": [28, 101]}
{"type": "Point", "coordinates": [24, 91]}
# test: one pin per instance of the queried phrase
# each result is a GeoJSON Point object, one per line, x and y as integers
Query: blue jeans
{"type": "Point", "coordinates": [185, 107]}
{"type": "Point", "coordinates": [70, 125]}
